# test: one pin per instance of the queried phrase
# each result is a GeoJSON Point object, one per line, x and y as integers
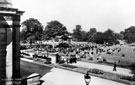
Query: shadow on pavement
{"type": "Point", "coordinates": [69, 66]}
{"type": "Point", "coordinates": [27, 68]}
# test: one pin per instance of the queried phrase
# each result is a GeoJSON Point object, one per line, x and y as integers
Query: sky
{"type": "Point", "coordinates": [100, 14]}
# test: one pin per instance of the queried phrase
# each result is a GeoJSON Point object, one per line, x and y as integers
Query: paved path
{"type": "Point", "coordinates": [64, 77]}
{"type": "Point", "coordinates": [121, 71]}
{"type": "Point", "coordinates": [57, 76]}
{"type": "Point", "coordinates": [106, 68]}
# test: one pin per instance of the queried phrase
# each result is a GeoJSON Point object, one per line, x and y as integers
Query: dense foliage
{"type": "Point", "coordinates": [129, 34]}
{"type": "Point", "coordinates": [33, 30]}
{"type": "Point", "coordinates": [97, 37]}
{"type": "Point", "coordinates": [53, 29]}
{"type": "Point", "coordinates": [77, 33]}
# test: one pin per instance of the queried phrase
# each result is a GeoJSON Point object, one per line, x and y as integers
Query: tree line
{"type": "Point", "coordinates": [33, 30]}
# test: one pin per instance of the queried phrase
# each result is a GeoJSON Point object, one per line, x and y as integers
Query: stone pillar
{"type": "Point", "coordinates": [9, 34]}
{"type": "Point", "coordinates": [3, 44]}
{"type": "Point", "coordinates": [16, 46]}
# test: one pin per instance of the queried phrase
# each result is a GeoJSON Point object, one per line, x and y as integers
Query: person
{"type": "Point", "coordinates": [99, 57]}
{"type": "Point", "coordinates": [58, 58]}
{"type": "Point", "coordinates": [114, 66]}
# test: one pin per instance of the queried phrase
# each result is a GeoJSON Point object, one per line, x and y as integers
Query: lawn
{"type": "Point", "coordinates": [128, 58]}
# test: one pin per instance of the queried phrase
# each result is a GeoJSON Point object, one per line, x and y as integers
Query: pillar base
{"type": "Point", "coordinates": [12, 81]}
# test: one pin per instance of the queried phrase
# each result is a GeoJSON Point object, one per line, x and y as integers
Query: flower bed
{"type": "Point", "coordinates": [129, 78]}
{"type": "Point", "coordinates": [96, 71]}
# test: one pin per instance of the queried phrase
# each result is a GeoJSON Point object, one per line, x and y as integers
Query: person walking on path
{"type": "Point", "coordinates": [114, 66]}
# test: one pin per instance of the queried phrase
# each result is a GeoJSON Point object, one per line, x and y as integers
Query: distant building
{"type": "Point", "coordinates": [64, 38]}
{"type": "Point", "coordinates": [122, 42]}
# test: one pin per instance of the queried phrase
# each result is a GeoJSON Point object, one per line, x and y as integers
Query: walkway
{"type": "Point", "coordinates": [64, 77]}
{"type": "Point", "coordinates": [121, 71]}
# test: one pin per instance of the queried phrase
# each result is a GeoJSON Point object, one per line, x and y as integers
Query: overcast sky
{"type": "Point", "coordinates": [101, 14]}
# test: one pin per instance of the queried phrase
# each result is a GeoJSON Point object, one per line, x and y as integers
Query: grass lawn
{"type": "Point", "coordinates": [126, 60]}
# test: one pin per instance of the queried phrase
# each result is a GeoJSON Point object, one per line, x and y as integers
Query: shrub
{"type": "Point", "coordinates": [100, 62]}
{"type": "Point", "coordinates": [96, 71]}
{"type": "Point", "coordinates": [132, 66]}
{"type": "Point", "coordinates": [104, 59]}
{"type": "Point", "coordinates": [90, 58]}
{"type": "Point", "coordinates": [47, 62]}
{"type": "Point", "coordinates": [61, 62]}
{"type": "Point", "coordinates": [129, 78]}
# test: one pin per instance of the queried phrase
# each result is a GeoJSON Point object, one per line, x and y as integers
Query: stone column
{"type": "Point", "coordinates": [3, 40]}
{"type": "Point", "coordinates": [9, 37]}
{"type": "Point", "coordinates": [16, 46]}
{"type": "Point", "coordinates": [3, 45]}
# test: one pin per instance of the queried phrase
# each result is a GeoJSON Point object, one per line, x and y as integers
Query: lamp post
{"type": "Point", "coordinates": [87, 78]}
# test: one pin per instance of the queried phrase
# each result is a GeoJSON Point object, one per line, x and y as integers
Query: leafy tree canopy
{"type": "Point", "coordinates": [106, 37]}
{"type": "Point", "coordinates": [53, 29]}
{"type": "Point", "coordinates": [129, 34]}
{"type": "Point", "coordinates": [77, 32]}
{"type": "Point", "coordinates": [109, 36]}
{"type": "Point", "coordinates": [91, 33]}
{"type": "Point", "coordinates": [32, 29]}
{"type": "Point", "coordinates": [119, 36]}
{"type": "Point", "coordinates": [98, 38]}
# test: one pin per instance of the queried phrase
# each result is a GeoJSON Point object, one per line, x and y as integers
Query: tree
{"type": "Point", "coordinates": [77, 32]}
{"type": "Point", "coordinates": [122, 32]}
{"type": "Point", "coordinates": [84, 36]}
{"type": "Point", "coordinates": [106, 37]}
{"type": "Point", "coordinates": [32, 29]}
{"type": "Point", "coordinates": [53, 29]}
{"type": "Point", "coordinates": [22, 35]}
{"type": "Point", "coordinates": [98, 38]}
{"type": "Point", "coordinates": [93, 30]}
{"type": "Point", "coordinates": [119, 36]}
{"type": "Point", "coordinates": [90, 34]}
{"type": "Point", "coordinates": [129, 34]}
{"type": "Point", "coordinates": [109, 36]}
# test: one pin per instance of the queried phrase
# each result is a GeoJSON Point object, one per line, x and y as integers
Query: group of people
{"type": "Point", "coordinates": [78, 49]}
{"type": "Point", "coordinates": [68, 59]}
